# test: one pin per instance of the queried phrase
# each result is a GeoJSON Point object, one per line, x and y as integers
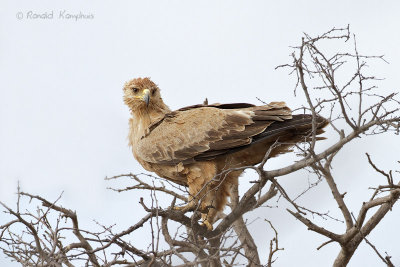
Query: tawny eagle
{"type": "Point", "coordinates": [192, 145]}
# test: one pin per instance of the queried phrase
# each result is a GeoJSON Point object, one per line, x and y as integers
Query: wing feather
{"type": "Point", "coordinates": [194, 131]}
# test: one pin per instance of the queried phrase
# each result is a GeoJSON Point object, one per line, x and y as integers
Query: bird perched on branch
{"type": "Point", "coordinates": [196, 145]}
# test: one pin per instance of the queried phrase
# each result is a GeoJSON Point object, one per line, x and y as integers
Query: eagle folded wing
{"type": "Point", "coordinates": [200, 131]}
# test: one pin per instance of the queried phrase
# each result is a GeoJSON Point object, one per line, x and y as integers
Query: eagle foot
{"type": "Point", "coordinates": [207, 224]}
{"type": "Point", "coordinates": [188, 207]}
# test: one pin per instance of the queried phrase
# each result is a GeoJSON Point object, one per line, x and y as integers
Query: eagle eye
{"type": "Point", "coordinates": [135, 90]}
{"type": "Point", "coordinates": [153, 91]}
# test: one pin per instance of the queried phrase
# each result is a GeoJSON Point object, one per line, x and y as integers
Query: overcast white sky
{"type": "Point", "coordinates": [64, 126]}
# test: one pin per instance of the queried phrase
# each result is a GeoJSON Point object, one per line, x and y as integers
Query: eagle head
{"type": "Point", "coordinates": [141, 93]}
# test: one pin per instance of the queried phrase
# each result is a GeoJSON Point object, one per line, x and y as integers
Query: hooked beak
{"type": "Point", "coordinates": [146, 96]}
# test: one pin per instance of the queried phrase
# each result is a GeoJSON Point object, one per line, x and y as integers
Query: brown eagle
{"type": "Point", "coordinates": [192, 145]}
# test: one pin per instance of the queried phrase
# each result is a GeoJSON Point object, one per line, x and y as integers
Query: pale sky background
{"type": "Point", "coordinates": [64, 125]}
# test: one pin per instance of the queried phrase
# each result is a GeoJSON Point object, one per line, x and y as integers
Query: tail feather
{"type": "Point", "coordinates": [299, 125]}
{"type": "Point", "coordinates": [297, 129]}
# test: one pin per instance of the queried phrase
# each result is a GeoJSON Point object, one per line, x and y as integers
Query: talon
{"type": "Point", "coordinates": [207, 224]}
